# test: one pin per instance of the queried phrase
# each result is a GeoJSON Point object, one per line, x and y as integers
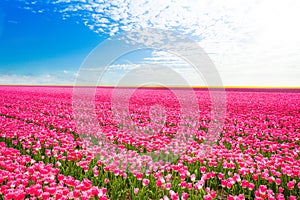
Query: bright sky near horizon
{"type": "Point", "coordinates": [252, 43]}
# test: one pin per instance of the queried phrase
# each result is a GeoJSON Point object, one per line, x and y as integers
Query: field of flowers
{"type": "Point", "coordinates": [43, 156]}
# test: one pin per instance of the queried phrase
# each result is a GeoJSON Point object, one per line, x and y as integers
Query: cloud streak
{"type": "Point", "coordinates": [46, 79]}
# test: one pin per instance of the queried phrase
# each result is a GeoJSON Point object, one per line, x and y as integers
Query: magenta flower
{"type": "Point", "coordinates": [291, 185]}
{"type": "Point", "coordinates": [145, 182]}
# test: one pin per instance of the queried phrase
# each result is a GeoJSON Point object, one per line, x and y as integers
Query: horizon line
{"type": "Point", "coordinates": [133, 86]}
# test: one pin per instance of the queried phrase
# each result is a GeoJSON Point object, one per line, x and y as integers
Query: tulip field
{"type": "Point", "coordinates": [43, 155]}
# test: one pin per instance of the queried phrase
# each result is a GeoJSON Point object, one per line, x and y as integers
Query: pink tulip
{"type": "Point", "coordinates": [291, 185]}
{"type": "Point", "coordinates": [146, 182]}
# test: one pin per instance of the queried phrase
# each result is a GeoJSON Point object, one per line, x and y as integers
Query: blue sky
{"type": "Point", "coordinates": [254, 43]}
{"type": "Point", "coordinates": [36, 44]}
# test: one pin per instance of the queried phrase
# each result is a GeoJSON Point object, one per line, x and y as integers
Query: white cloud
{"type": "Point", "coordinates": [47, 79]}
{"type": "Point", "coordinates": [251, 42]}
{"type": "Point", "coordinates": [165, 72]}
{"type": "Point", "coordinates": [114, 67]}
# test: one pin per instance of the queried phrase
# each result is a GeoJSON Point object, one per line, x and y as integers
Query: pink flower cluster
{"type": "Point", "coordinates": [21, 177]}
{"type": "Point", "coordinates": [255, 157]}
